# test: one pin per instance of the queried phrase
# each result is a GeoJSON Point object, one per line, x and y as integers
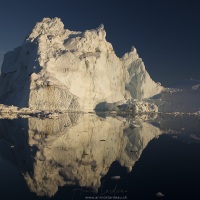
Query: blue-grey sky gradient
{"type": "Point", "coordinates": [166, 33]}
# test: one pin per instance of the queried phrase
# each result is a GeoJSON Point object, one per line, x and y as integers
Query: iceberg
{"type": "Point", "coordinates": [59, 69]}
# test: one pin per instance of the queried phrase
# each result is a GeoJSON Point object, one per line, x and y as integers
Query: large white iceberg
{"type": "Point", "coordinates": [59, 69]}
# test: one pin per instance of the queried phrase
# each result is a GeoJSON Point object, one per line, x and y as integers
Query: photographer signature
{"type": "Point", "coordinates": [102, 191]}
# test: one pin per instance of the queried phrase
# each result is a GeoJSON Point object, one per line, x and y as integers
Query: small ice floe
{"type": "Point", "coordinates": [24, 116]}
{"type": "Point", "coordinates": [159, 194]}
{"type": "Point", "coordinates": [116, 177]}
{"type": "Point", "coordinates": [12, 146]}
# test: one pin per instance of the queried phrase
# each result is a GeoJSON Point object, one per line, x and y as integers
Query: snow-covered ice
{"type": "Point", "coordinates": [59, 69]}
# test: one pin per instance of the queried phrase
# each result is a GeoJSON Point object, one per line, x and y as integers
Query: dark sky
{"type": "Point", "coordinates": [166, 33]}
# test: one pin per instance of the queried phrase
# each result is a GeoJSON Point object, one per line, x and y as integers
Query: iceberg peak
{"type": "Point", "coordinates": [133, 49]}
{"type": "Point", "coordinates": [46, 26]}
{"type": "Point", "coordinates": [101, 27]}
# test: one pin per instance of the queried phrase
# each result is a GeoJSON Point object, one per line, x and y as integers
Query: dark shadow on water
{"type": "Point", "coordinates": [16, 148]}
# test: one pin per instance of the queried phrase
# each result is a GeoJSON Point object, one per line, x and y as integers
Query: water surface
{"type": "Point", "coordinates": [100, 157]}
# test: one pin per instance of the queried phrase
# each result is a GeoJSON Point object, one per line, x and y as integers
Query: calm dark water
{"type": "Point", "coordinates": [40, 158]}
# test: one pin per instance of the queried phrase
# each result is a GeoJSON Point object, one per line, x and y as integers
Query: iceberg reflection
{"type": "Point", "coordinates": [80, 153]}
{"type": "Point", "coordinates": [75, 149]}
